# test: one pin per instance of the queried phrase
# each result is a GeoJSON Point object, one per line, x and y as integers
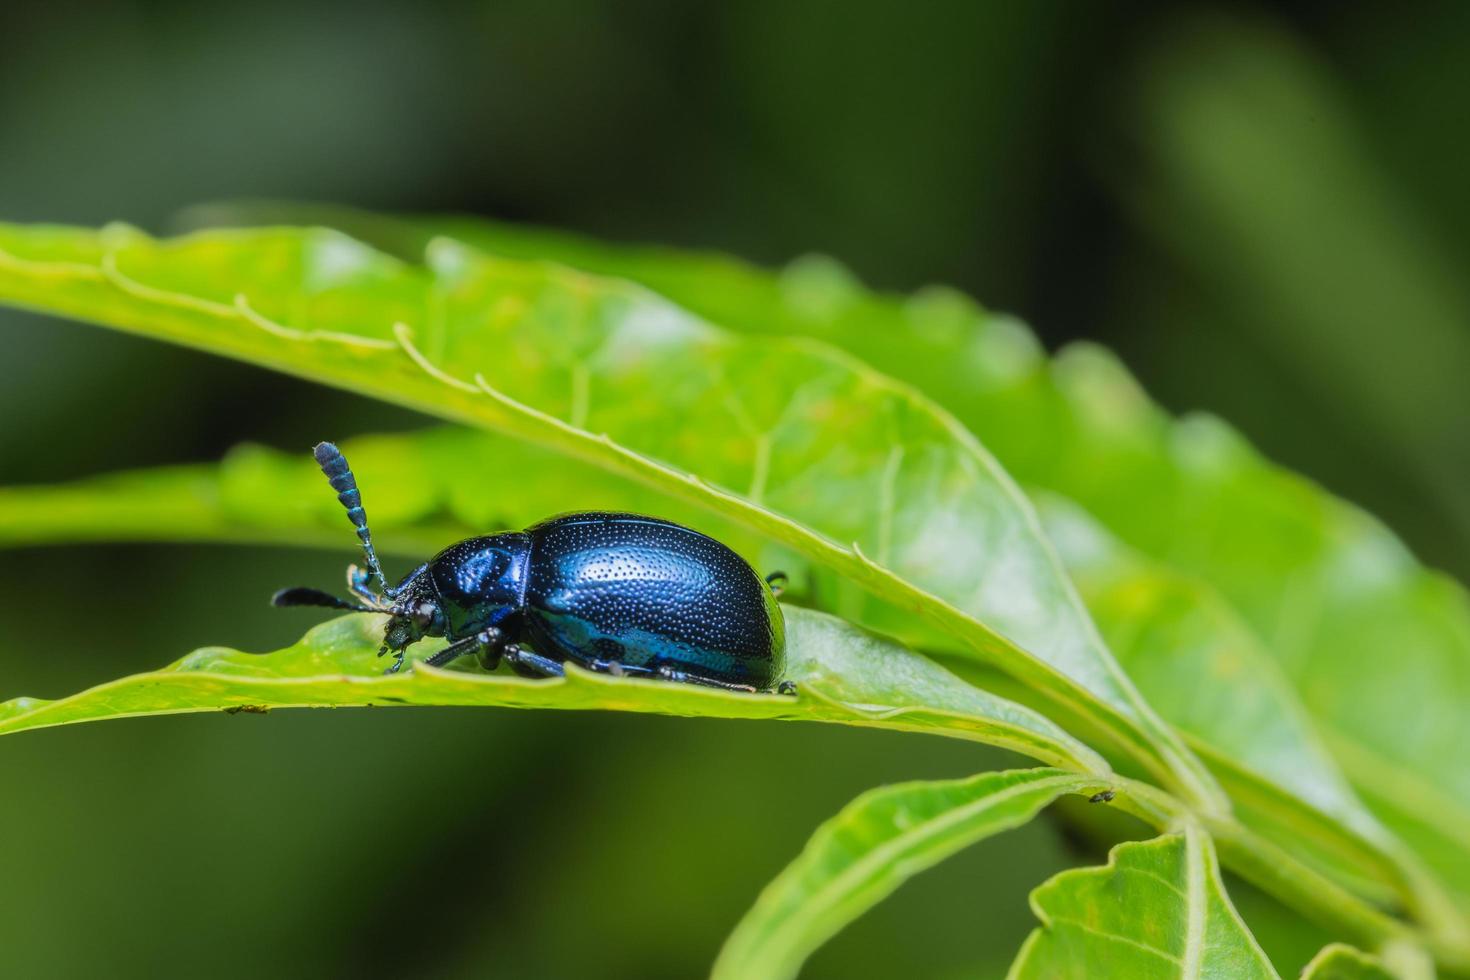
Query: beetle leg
{"type": "Point", "coordinates": [531, 664]}
{"type": "Point", "coordinates": [667, 673]}
{"type": "Point", "coordinates": [488, 657]}
{"type": "Point", "coordinates": [486, 639]}
{"type": "Point", "coordinates": [613, 668]}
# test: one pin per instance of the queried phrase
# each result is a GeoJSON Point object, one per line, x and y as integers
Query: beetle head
{"type": "Point", "coordinates": [413, 606]}
{"type": "Point", "coordinates": [414, 612]}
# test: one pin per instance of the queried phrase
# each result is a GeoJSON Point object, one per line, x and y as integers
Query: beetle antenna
{"type": "Point", "coordinates": [302, 596]}
{"type": "Point", "coordinates": [334, 466]}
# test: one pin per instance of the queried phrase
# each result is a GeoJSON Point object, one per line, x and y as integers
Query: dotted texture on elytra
{"type": "Point", "coordinates": [647, 593]}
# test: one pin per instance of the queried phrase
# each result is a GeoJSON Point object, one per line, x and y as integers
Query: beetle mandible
{"type": "Point", "coordinates": [617, 593]}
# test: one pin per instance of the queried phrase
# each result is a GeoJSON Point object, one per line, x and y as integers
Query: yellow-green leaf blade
{"type": "Point", "coordinates": [845, 675]}
{"type": "Point", "coordinates": [868, 850]}
{"type": "Point", "coordinates": [1342, 962]}
{"type": "Point", "coordinates": [1157, 910]}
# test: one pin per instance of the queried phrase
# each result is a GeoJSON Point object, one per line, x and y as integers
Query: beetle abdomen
{"type": "Point", "coordinates": [644, 592]}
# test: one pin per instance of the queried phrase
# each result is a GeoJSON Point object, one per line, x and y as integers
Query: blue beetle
{"type": "Point", "coordinates": [617, 593]}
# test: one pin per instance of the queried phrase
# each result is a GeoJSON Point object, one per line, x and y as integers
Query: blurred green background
{"type": "Point", "coordinates": [1266, 215]}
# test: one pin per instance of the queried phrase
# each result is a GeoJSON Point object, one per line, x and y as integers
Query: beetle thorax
{"type": "Point", "coordinates": [480, 582]}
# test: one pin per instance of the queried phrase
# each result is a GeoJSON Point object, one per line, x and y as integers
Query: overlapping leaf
{"type": "Point", "coordinates": [1158, 910]}
{"type": "Point", "coordinates": [809, 447]}
{"type": "Point", "coordinates": [1330, 591]}
{"type": "Point", "coordinates": [1184, 647]}
{"type": "Point", "coordinates": [873, 846]}
{"type": "Point", "coordinates": [1193, 657]}
{"type": "Point", "coordinates": [1058, 426]}
{"type": "Point", "coordinates": [1326, 588]}
{"type": "Point", "coordinates": [265, 495]}
{"type": "Point", "coordinates": [1340, 962]}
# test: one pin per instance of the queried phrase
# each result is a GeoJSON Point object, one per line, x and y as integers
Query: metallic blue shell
{"type": "Point", "coordinates": [644, 592]}
{"type": "Point", "coordinates": [481, 581]}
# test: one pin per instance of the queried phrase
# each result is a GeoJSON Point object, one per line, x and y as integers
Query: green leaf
{"type": "Point", "coordinates": [422, 491]}
{"type": "Point", "coordinates": [1205, 669]}
{"type": "Point", "coordinates": [1340, 962]}
{"type": "Point", "coordinates": [1325, 587]}
{"type": "Point", "coordinates": [264, 495]}
{"type": "Point", "coordinates": [1202, 665]}
{"type": "Point", "coordinates": [844, 674]}
{"type": "Point", "coordinates": [1170, 631]}
{"type": "Point", "coordinates": [71, 271]}
{"type": "Point", "coordinates": [787, 437]}
{"type": "Point", "coordinates": [1350, 590]}
{"type": "Point", "coordinates": [1329, 590]}
{"type": "Point", "coordinates": [1158, 909]}
{"type": "Point", "coordinates": [1183, 645]}
{"type": "Point", "coordinates": [876, 843]}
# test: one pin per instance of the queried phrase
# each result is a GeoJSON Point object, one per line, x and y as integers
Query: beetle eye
{"type": "Point", "coordinates": [423, 614]}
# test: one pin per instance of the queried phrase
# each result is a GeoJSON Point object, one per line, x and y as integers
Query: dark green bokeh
{"type": "Point", "coordinates": [1265, 217]}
